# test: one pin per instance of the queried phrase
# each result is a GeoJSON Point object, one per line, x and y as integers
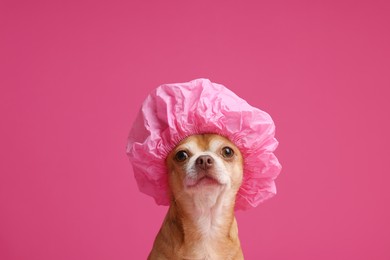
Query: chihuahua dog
{"type": "Point", "coordinates": [205, 174]}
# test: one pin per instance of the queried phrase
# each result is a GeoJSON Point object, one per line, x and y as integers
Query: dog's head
{"type": "Point", "coordinates": [204, 167]}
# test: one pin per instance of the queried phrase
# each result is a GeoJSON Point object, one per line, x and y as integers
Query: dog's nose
{"type": "Point", "coordinates": [204, 162]}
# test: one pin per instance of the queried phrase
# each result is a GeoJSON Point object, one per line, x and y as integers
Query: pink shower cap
{"type": "Point", "coordinates": [173, 112]}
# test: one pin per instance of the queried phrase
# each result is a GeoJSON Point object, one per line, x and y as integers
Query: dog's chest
{"type": "Point", "coordinates": [207, 242]}
{"type": "Point", "coordinates": [205, 249]}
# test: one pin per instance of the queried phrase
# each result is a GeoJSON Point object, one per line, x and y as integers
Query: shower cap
{"type": "Point", "coordinates": [173, 112]}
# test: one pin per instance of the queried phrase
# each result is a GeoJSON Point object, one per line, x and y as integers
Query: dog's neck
{"type": "Point", "coordinates": [205, 216]}
{"type": "Point", "coordinates": [201, 229]}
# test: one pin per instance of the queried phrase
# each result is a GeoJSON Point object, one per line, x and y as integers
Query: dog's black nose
{"type": "Point", "coordinates": [204, 162]}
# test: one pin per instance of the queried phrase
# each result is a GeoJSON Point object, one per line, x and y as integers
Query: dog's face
{"type": "Point", "coordinates": [202, 167]}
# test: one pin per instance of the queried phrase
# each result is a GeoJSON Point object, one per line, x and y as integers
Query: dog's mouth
{"type": "Point", "coordinates": [203, 180]}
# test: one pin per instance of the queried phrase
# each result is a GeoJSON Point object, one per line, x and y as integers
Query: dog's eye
{"type": "Point", "coordinates": [181, 156]}
{"type": "Point", "coordinates": [227, 152]}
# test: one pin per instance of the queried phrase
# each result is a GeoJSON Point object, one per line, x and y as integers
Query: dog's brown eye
{"type": "Point", "coordinates": [227, 152]}
{"type": "Point", "coordinates": [181, 156]}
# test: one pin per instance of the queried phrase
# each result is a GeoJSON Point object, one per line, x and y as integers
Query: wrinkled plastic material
{"type": "Point", "coordinates": [173, 112]}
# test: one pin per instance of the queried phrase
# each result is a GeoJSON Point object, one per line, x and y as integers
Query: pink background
{"type": "Point", "coordinates": [73, 76]}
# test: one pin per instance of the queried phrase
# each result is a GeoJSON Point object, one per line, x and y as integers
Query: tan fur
{"type": "Point", "coordinates": [200, 222]}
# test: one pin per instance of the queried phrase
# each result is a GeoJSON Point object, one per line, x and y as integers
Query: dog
{"type": "Point", "coordinates": [204, 173]}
